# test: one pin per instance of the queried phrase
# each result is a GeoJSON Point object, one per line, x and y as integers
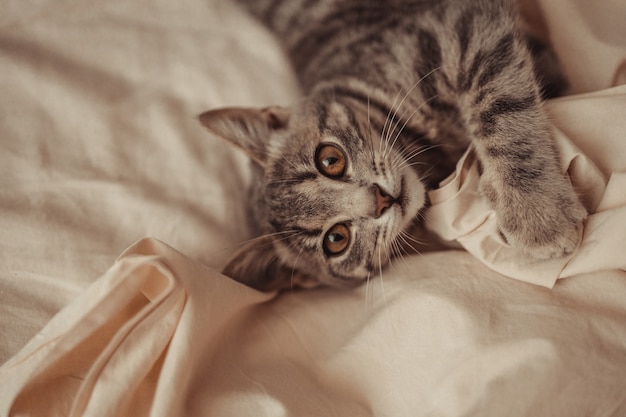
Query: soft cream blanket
{"type": "Point", "coordinates": [99, 148]}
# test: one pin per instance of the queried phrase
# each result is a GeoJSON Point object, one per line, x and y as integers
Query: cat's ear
{"type": "Point", "coordinates": [247, 128]}
{"type": "Point", "coordinates": [257, 265]}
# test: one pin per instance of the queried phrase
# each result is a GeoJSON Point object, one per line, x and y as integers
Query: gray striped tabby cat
{"type": "Point", "coordinates": [396, 90]}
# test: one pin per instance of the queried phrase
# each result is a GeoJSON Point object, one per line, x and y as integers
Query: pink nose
{"type": "Point", "coordinates": [383, 200]}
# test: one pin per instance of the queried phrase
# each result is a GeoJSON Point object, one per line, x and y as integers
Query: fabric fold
{"type": "Point", "coordinates": [100, 148]}
{"type": "Point", "coordinates": [100, 353]}
{"type": "Point", "coordinates": [127, 345]}
{"type": "Point", "coordinates": [459, 212]}
{"type": "Point", "coordinates": [603, 245]}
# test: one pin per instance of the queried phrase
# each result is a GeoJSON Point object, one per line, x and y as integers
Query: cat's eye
{"type": "Point", "coordinates": [337, 239]}
{"type": "Point", "coordinates": [330, 160]}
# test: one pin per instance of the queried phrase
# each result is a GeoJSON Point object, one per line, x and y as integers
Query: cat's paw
{"type": "Point", "coordinates": [543, 225]}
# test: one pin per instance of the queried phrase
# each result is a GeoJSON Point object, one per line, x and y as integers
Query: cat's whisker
{"type": "Point", "coordinates": [397, 252]}
{"type": "Point", "coordinates": [288, 161]}
{"type": "Point", "coordinates": [393, 113]}
{"type": "Point", "coordinates": [402, 238]}
{"type": "Point", "coordinates": [428, 173]}
{"type": "Point", "coordinates": [293, 269]}
{"type": "Point", "coordinates": [394, 253]}
{"type": "Point", "coordinates": [412, 164]}
{"type": "Point", "coordinates": [402, 161]}
{"type": "Point", "coordinates": [285, 181]}
{"type": "Point", "coordinates": [409, 91]}
{"type": "Point", "coordinates": [408, 244]}
{"type": "Point", "coordinates": [387, 120]}
{"type": "Point", "coordinates": [265, 236]}
{"type": "Point", "coordinates": [406, 154]}
{"type": "Point", "coordinates": [380, 269]}
{"type": "Point", "coordinates": [283, 238]}
{"type": "Point", "coordinates": [407, 120]}
{"type": "Point", "coordinates": [422, 216]}
{"type": "Point", "coordinates": [407, 236]}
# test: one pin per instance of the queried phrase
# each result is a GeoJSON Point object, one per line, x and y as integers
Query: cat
{"type": "Point", "coordinates": [395, 92]}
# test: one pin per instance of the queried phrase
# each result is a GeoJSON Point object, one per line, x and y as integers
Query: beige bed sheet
{"type": "Point", "coordinates": [99, 149]}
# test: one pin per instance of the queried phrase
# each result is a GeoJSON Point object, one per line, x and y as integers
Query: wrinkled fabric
{"type": "Point", "coordinates": [459, 212]}
{"type": "Point", "coordinates": [162, 335]}
{"type": "Point", "coordinates": [117, 211]}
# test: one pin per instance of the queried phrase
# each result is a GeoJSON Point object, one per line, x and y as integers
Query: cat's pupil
{"type": "Point", "coordinates": [330, 161]}
{"type": "Point", "coordinates": [335, 237]}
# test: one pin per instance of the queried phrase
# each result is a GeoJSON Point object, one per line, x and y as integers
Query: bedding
{"type": "Point", "coordinates": [117, 212]}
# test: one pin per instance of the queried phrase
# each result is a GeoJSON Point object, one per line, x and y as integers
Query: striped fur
{"type": "Point", "coordinates": [403, 87]}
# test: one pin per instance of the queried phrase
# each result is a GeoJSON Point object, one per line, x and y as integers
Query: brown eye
{"type": "Point", "coordinates": [330, 160]}
{"type": "Point", "coordinates": [336, 240]}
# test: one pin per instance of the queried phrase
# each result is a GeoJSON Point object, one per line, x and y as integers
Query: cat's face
{"type": "Point", "coordinates": [332, 195]}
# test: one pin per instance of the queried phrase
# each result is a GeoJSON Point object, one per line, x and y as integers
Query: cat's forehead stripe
{"type": "Point", "coordinates": [352, 119]}
{"type": "Point", "coordinates": [349, 134]}
{"type": "Point", "coordinates": [322, 118]}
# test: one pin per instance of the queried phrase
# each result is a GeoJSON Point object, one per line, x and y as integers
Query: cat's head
{"type": "Point", "coordinates": [331, 196]}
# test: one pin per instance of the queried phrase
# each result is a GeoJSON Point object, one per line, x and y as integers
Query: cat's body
{"type": "Point", "coordinates": [396, 92]}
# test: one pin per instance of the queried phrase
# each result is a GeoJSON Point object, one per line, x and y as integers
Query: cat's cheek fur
{"type": "Point", "coordinates": [257, 264]}
{"type": "Point", "coordinates": [415, 200]}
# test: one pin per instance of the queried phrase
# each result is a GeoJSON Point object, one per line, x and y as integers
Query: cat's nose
{"type": "Point", "coordinates": [383, 200]}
